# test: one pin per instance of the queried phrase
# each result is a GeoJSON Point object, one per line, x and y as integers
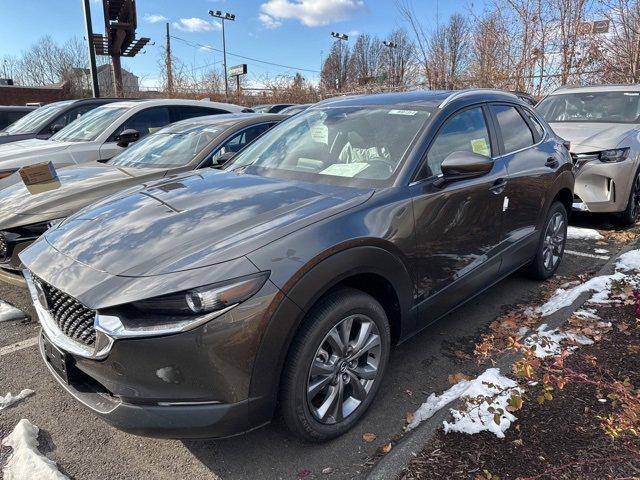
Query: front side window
{"type": "Point", "coordinates": [605, 107]}
{"type": "Point", "coordinates": [72, 114]}
{"type": "Point", "coordinates": [516, 134]}
{"type": "Point", "coordinates": [34, 121]}
{"type": "Point", "coordinates": [174, 146]}
{"type": "Point", "coordinates": [147, 121]}
{"type": "Point", "coordinates": [465, 131]}
{"type": "Point", "coordinates": [88, 127]}
{"type": "Point", "coordinates": [240, 140]}
{"type": "Point", "coordinates": [353, 146]}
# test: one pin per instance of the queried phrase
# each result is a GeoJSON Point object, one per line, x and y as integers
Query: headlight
{"type": "Point", "coordinates": [205, 299]}
{"type": "Point", "coordinates": [615, 155]}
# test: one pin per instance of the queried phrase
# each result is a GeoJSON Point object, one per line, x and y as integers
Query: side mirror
{"type": "Point", "coordinates": [56, 127]}
{"type": "Point", "coordinates": [462, 165]}
{"type": "Point", "coordinates": [126, 137]}
{"type": "Point", "coordinates": [222, 159]}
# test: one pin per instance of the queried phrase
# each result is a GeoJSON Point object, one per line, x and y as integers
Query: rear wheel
{"type": "Point", "coordinates": [335, 365]}
{"type": "Point", "coordinates": [551, 245]}
{"type": "Point", "coordinates": [630, 215]}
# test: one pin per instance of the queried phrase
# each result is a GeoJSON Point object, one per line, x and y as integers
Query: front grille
{"type": "Point", "coordinates": [73, 319]}
{"type": "Point", "coordinates": [4, 247]}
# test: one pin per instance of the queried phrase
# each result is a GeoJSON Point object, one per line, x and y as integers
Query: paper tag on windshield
{"type": "Point", "coordinates": [154, 129]}
{"type": "Point", "coordinates": [344, 169]}
{"type": "Point", "coordinates": [320, 133]}
{"type": "Point", "coordinates": [479, 146]}
{"type": "Point", "coordinates": [402, 112]}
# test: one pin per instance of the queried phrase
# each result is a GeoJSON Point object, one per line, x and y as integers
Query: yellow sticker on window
{"type": "Point", "coordinates": [479, 146]}
{"type": "Point", "coordinates": [154, 129]}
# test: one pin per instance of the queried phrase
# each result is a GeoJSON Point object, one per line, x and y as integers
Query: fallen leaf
{"type": "Point", "coordinates": [369, 437]}
{"type": "Point", "coordinates": [386, 448]}
{"type": "Point", "coordinates": [456, 377]}
{"type": "Point", "coordinates": [517, 442]}
{"type": "Point", "coordinates": [409, 417]}
{"type": "Point", "coordinates": [327, 471]}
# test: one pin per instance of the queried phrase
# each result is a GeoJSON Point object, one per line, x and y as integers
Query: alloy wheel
{"type": "Point", "coordinates": [554, 238]}
{"type": "Point", "coordinates": [344, 368]}
{"type": "Point", "coordinates": [635, 198]}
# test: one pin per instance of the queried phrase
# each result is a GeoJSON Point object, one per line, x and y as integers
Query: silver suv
{"type": "Point", "coordinates": [602, 123]}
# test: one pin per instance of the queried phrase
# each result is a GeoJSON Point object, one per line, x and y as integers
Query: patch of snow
{"type": "Point", "coordinates": [583, 233]}
{"type": "Point", "coordinates": [9, 399]}
{"type": "Point", "coordinates": [601, 250]}
{"type": "Point", "coordinates": [474, 418]}
{"type": "Point", "coordinates": [546, 343]}
{"type": "Point", "coordinates": [629, 260]}
{"type": "Point", "coordinates": [25, 460]}
{"type": "Point", "coordinates": [9, 312]}
{"type": "Point", "coordinates": [589, 313]}
{"type": "Point", "coordinates": [522, 331]}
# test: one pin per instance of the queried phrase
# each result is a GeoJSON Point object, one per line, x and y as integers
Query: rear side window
{"type": "Point", "coordinates": [183, 113]}
{"type": "Point", "coordinates": [516, 134]}
{"type": "Point", "coordinates": [539, 130]}
{"type": "Point", "coordinates": [465, 131]}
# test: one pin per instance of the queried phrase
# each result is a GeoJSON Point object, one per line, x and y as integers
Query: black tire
{"type": "Point", "coordinates": [629, 216]}
{"type": "Point", "coordinates": [540, 269]}
{"type": "Point", "coordinates": [327, 316]}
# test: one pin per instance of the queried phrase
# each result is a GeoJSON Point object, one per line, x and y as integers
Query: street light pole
{"type": "Point", "coordinates": [92, 54]}
{"type": "Point", "coordinates": [223, 17]}
{"type": "Point", "coordinates": [390, 45]}
{"type": "Point", "coordinates": [340, 37]}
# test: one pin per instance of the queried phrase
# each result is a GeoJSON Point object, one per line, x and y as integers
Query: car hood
{"type": "Point", "coordinates": [74, 188]}
{"type": "Point", "coordinates": [194, 220]}
{"type": "Point", "coordinates": [14, 137]}
{"type": "Point", "coordinates": [591, 136]}
{"type": "Point", "coordinates": [35, 146]}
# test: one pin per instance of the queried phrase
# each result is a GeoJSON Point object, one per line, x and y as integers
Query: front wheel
{"type": "Point", "coordinates": [630, 214]}
{"type": "Point", "coordinates": [335, 365]}
{"type": "Point", "coordinates": [551, 245]}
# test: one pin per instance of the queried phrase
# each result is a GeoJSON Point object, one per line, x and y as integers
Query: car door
{"type": "Point", "coordinates": [144, 122]}
{"type": "Point", "coordinates": [457, 226]}
{"type": "Point", "coordinates": [531, 160]}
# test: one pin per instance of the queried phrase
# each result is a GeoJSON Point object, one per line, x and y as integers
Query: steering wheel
{"type": "Point", "coordinates": [382, 161]}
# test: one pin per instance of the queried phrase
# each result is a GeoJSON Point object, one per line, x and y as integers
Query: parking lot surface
{"type": "Point", "coordinates": [87, 448]}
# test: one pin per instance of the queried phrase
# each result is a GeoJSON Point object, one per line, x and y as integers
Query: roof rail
{"type": "Point", "coordinates": [468, 91]}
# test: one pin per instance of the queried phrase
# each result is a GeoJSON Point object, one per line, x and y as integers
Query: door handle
{"type": "Point", "coordinates": [551, 162]}
{"type": "Point", "coordinates": [498, 185]}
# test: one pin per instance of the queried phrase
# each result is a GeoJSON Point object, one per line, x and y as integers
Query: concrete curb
{"type": "Point", "coordinates": [412, 443]}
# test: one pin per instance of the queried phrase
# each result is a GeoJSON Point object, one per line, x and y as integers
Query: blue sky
{"type": "Point", "coordinates": [289, 32]}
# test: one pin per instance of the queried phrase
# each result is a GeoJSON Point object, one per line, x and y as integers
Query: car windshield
{"type": "Point", "coordinates": [604, 107]}
{"type": "Point", "coordinates": [261, 108]}
{"type": "Point", "coordinates": [352, 146]}
{"type": "Point", "coordinates": [90, 125]}
{"type": "Point", "coordinates": [34, 121]}
{"type": "Point", "coordinates": [168, 148]}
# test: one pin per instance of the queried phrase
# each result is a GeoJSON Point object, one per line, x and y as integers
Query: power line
{"type": "Point", "coordinates": [208, 47]}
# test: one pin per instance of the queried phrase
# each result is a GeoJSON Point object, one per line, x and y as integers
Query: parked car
{"type": "Point", "coordinates": [27, 211]}
{"type": "Point", "coordinates": [10, 114]}
{"type": "Point", "coordinates": [104, 132]}
{"type": "Point", "coordinates": [602, 124]}
{"type": "Point", "coordinates": [192, 307]}
{"type": "Point", "coordinates": [270, 108]}
{"type": "Point", "coordinates": [51, 118]}
{"type": "Point", "coordinates": [295, 109]}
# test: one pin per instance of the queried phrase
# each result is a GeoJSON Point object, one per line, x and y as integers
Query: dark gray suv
{"type": "Point", "coordinates": [194, 306]}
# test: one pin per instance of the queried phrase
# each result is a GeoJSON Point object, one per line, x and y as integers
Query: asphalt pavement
{"type": "Point", "coordinates": [85, 447]}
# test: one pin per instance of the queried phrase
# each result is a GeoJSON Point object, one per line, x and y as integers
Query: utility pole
{"type": "Point", "coordinates": [168, 65]}
{"type": "Point", "coordinates": [340, 37]}
{"type": "Point", "coordinates": [95, 88]}
{"type": "Point", "coordinates": [223, 17]}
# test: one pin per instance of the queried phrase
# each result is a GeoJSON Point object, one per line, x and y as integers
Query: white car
{"type": "Point", "coordinates": [104, 132]}
{"type": "Point", "coordinates": [603, 125]}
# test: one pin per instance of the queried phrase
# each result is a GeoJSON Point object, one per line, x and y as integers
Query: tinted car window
{"type": "Point", "coordinates": [241, 139]}
{"type": "Point", "coordinates": [183, 113]}
{"type": "Point", "coordinates": [72, 114]}
{"type": "Point", "coordinates": [539, 130]}
{"type": "Point", "coordinates": [606, 107]}
{"type": "Point", "coordinates": [464, 132]}
{"type": "Point", "coordinates": [147, 121]}
{"type": "Point", "coordinates": [516, 134]}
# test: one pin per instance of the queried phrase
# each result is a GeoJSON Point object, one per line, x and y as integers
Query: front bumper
{"type": "Point", "coordinates": [162, 420]}
{"type": "Point", "coordinates": [604, 187]}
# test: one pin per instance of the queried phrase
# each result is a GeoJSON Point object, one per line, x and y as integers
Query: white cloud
{"type": "Point", "coordinates": [269, 22]}
{"type": "Point", "coordinates": [312, 13]}
{"type": "Point", "coordinates": [353, 33]}
{"type": "Point", "coordinates": [154, 18]}
{"type": "Point", "coordinates": [195, 25]}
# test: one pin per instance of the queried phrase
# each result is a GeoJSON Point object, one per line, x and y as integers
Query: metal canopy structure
{"type": "Point", "coordinates": [119, 40]}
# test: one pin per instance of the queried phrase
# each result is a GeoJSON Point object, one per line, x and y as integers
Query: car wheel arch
{"type": "Point", "coordinates": [348, 267]}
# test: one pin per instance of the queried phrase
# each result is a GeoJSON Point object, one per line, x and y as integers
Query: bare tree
{"type": "Point", "coordinates": [365, 60]}
{"type": "Point", "coordinates": [620, 48]}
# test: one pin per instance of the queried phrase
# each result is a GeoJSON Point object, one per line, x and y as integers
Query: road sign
{"type": "Point", "coordinates": [237, 70]}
